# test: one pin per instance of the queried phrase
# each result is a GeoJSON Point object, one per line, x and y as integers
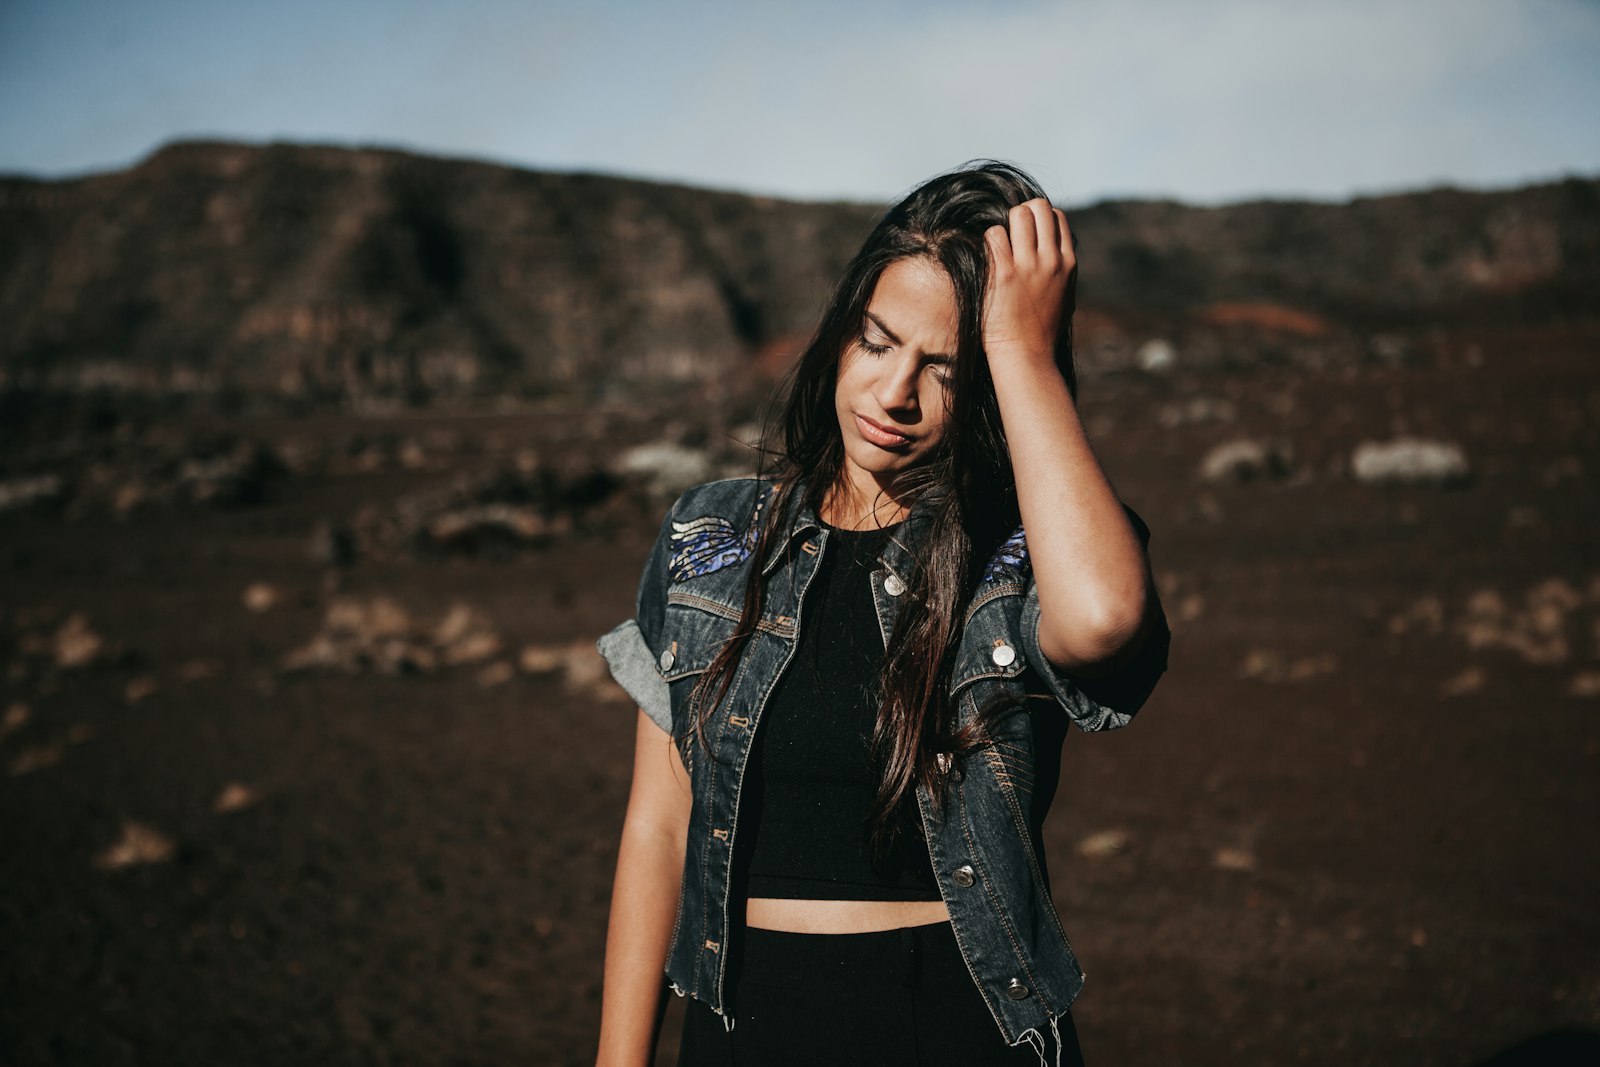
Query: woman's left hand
{"type": "Point", "coordinates": [1033, 272]}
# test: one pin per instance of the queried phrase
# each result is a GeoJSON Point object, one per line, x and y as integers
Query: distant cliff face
{"type": "Point", "coordinates": [336, 272]}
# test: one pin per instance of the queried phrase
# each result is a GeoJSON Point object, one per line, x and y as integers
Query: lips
{"type": "Point", "coordinates": [879, 434]}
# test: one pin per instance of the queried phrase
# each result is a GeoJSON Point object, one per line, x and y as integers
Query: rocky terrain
{"type": "Point", "coordinates": [306, 754]}
{"type": "Point", "coordinates": [304, 273]}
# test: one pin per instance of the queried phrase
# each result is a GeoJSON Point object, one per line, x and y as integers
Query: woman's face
{"type": "Point", "coordinates": [892, 388]}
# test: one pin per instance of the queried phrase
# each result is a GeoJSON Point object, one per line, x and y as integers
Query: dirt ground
{"type": "Point", "coordinates": [1356, 824]}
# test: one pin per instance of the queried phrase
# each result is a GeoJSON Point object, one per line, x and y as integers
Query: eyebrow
{"type": "Point", "coordinates": [937, 357]}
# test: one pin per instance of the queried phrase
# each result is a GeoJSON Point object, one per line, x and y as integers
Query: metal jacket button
{"type": "Point", "coordinates": [942, 761]}
{"type": "Point", "coordinates": [1016, 990]}
{"type": "Point", "coordinates": [963, 875]}
{"type": "Point", "coordinates": [667, 659]}
{"type": "Point", "coordinates": [1003, 654]}
{"type": "Point", "coordinates": [893, 585]}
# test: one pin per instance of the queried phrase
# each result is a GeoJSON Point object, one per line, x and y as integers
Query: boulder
{"type": "Point", "coordinates": [1410, 461]}
{"type": "Point", "coordinates": [1246, 460]}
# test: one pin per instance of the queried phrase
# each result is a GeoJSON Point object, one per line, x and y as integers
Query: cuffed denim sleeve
{"type": "Point", "coordinates": [631, 649]}
{"type": "Point", "coordinates": [1107, 701]}
{"type": "Point", "coordinates": [633, 665]}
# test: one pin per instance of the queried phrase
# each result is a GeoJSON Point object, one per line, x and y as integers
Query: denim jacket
{"type": "Point", "coordinates": [984, 841]}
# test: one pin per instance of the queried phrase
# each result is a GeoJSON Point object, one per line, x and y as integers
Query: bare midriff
{"type": "Point", "coordinates": [841, 916]}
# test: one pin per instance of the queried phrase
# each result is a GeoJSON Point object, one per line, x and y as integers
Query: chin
{"type": "Point", "coordinates": [869, 457]}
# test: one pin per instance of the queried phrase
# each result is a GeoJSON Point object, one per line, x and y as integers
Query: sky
{"type": "Point", "coordinates": [1206, 101]}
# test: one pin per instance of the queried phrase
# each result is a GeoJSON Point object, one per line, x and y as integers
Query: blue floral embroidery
{"type": "Point", "coordinates": [711, 543]}
{"type": "Point", "coordinates": [1010, 560]}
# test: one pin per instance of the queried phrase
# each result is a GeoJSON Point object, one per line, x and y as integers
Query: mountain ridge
{"type": "Point", "coordinates": [336, 272]}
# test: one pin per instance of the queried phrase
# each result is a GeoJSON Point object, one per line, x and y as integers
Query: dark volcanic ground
{"type": "Point", "coordinates": [1355, 824]}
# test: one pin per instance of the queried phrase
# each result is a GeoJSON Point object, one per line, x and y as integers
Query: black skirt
{"type": "Point", "coordinates": [885, 998]}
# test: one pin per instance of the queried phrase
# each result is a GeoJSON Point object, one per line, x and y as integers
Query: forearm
{"type": "Point", "coordinates": [1093, 581]}
{"type": "Point", "coordinates": [644, 901]}
{"type": "Point", "coordinates": [1092, 575]}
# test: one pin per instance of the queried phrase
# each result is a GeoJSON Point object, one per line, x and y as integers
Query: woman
{"type": "Point", "coordinates": [936, 578]}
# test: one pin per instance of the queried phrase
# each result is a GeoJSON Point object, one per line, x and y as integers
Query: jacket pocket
{"type": "Point", "coordinates": [991, 644]}
{"type": "Point", "coordinates": [691, 637]}
{"type": "Point", "coordinates": [696, 627]}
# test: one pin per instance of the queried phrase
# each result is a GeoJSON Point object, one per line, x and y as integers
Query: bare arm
{"type": "Point", "coordinates": [1096, 596]}
{"type": "Point", "coordinates": [644, 899]}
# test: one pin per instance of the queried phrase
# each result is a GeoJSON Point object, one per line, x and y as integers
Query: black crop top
{"type": "Point", "coordinates": [809, 785]}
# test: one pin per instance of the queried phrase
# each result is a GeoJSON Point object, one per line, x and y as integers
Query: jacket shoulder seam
{"type": "Point", "coordinates": [691, 498]}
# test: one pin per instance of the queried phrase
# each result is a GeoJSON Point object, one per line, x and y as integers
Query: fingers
{"type": "Point", "coordinates": [1048, 240]}
{"type": "Point", "coordinates": [1039, 230]}
{"type": "Point", "coordinates": [1024, 231]}
{"type": "Point", "coordinates": [1036, 232]}
{"type": "Point", "coordinates": [999, 245]}
{"type": "Point", "coordinates": [1068, 240]}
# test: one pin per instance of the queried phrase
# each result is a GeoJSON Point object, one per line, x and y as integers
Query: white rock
{"type": "Point", "coordinates": [261, 597]}
{"type": "Point", "coordinates": [1410, 461]}
{"type": "Point", "coordinates": [139, 844]}
{"type": "Point", "coordinates": [1233, 859]}
{"type": "Point", "coordinates": [1104, 843]}
{"type": "Point", "coordinates": [1156, 356]}
{"type": "Point", "coordinates": [668, 468]}
{"type": "Point", "coordinates": [18, 494]}
{"type": "Point", "coordinates": [235, 796]}
{"type": "Point", "coordinates": [1246, 459]}
{"type": "Point", "coordinates": [76, 643]}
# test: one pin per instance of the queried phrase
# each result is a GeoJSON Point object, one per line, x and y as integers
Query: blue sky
{"type": "Point", "coordinates": [1202, 101]}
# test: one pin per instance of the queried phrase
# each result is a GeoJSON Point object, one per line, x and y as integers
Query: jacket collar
{"type": "Point", "coordinates": [801, 519]}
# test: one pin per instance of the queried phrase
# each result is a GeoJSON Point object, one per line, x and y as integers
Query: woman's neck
{"type": "Point", "coordinates": [846, 507]}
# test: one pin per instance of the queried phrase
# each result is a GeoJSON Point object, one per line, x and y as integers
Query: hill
{"type": "Point", "coordinates": [341, 273]}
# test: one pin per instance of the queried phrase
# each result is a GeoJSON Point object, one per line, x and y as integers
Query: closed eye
{"type": "Point", "coordinates": [943, 366]}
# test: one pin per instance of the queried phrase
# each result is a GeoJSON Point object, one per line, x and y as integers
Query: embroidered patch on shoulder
{"type": "Point", "coordinates": [710, 542]}
{"type": "Point", "coordinates": [1010, 560]}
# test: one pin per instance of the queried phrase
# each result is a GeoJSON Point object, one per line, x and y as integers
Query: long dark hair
{"type": "Point", "coordinates": [966, 484]}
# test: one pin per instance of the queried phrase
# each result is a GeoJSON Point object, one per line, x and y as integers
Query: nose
{"type": "Point", "coordinates": [897, 388]}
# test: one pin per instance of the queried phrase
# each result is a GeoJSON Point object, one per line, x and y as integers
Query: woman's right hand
{"type": "Point", "coordinates": [1033, 271]}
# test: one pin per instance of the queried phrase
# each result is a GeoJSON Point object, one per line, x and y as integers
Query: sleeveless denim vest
{"type": "Point", "coordinates": [984, 840]}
